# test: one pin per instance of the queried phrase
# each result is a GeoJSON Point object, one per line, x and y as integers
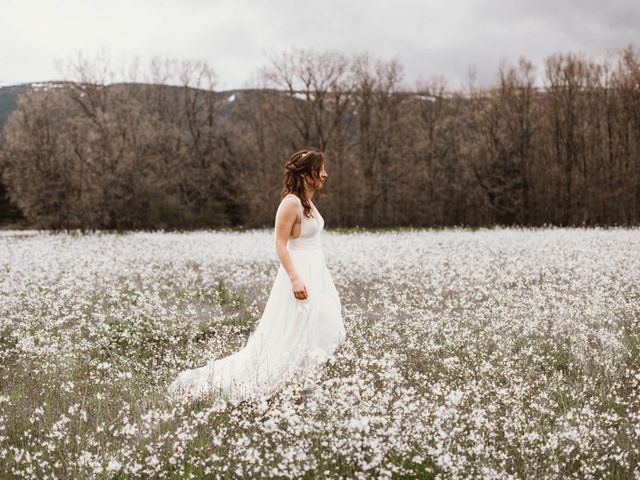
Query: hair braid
{"type": "Point", "coordinates": [302, 163]}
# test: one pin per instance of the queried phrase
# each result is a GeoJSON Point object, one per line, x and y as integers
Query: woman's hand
{"type": "Point", "coordinates": [299, 289]}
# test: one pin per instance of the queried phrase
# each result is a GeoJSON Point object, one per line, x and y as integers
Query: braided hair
{"type": "Point", "coordinates": [302, 162]}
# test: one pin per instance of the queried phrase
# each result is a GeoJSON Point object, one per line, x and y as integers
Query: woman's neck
{"type": "Point", "coordinates": [309, 194]}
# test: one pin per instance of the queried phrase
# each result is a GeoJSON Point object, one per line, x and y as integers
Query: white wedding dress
{"type": "Point", "coordinates": [291, 335]}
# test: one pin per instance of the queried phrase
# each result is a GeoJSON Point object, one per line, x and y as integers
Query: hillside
{"type": "Point", "coordinates": [9, 95]}
{"type": "Point", "coordinates": [8, 98]}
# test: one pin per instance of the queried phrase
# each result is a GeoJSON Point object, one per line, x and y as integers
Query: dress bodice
{"type": "Point", "coordinates": [310, 228]}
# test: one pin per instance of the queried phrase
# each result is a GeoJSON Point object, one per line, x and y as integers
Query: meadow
{"type": "Point", "coordinates": [490, 353]}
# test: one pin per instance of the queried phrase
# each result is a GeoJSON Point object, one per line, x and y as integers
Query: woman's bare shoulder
{"type": "Point", "coordinates": [290, 203]}
{"type": "Point", "coordinates": [290, 199]}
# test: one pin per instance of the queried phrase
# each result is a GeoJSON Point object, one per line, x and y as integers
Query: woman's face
{"type": "Point", "coordinates": [318, 183]}
{"type": "Point", "coordinates": [323, 176]}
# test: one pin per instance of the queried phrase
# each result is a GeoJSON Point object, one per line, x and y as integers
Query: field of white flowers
{"type": "Point", "coordinates": [502, 353]}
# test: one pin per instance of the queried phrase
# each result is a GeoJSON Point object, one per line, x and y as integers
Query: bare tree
{"type": "Point", "coordinates": [96, 151]}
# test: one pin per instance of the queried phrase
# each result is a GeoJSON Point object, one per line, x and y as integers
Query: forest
{"type": "Point", "coordinates": [164, 149]}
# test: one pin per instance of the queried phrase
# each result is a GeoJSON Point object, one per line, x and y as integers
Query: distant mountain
{"type": "Point", "coordinates": [8, 97]}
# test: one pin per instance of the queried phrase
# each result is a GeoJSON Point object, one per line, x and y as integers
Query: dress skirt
{"type": "Point", "coordinates": [291, 335]}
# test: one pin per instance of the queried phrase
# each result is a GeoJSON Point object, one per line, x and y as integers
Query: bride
{"type": "Point", "coordinates": [301, 325]}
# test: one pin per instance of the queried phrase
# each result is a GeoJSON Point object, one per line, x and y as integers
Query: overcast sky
{"type": "Point", "coordinates": [429, 37]}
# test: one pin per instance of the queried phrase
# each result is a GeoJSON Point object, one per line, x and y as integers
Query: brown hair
{"type": "Point", "coordinates": [308, 162]}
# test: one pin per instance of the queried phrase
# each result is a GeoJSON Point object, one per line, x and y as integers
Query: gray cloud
{"type": "Point", "coordinates": [430, 38]}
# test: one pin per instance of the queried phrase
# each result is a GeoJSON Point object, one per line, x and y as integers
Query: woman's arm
{"type": "Point", "coordinates": [285, 219]}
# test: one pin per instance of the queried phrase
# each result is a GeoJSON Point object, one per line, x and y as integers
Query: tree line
{"type": "Point", "coordinates": [172, 152]}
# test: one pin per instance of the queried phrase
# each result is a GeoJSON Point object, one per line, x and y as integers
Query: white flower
{"type": "Point", "coordinates": [219, 405]}
{"type": "Point", "coordinates": [444, 460]}
{"type": "Point", "coordinates": [84, 459]}
{"type": "Point", "coordinates": [360, 423]}
{"type": "Point", "coordinates": [455, 396]}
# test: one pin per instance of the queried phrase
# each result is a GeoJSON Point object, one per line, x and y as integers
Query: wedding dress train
{"type": "Point", "coordinates": [292, 334]}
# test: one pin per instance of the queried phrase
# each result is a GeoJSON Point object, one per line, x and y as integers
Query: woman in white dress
{"type": "Point", "coordinates": [301, 325]}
